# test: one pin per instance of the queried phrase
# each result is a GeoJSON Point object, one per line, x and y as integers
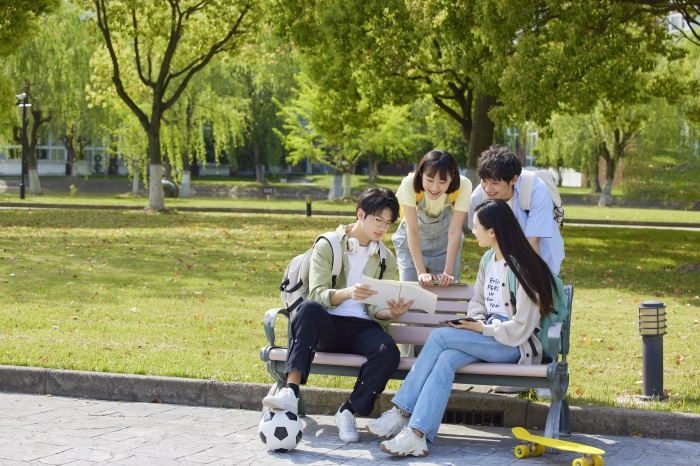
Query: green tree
{"type": "Point", "coordinates": [19, 22]}
{"type": "Point", "coordinates": [267, 76]}
{"type": "Point", "coordinates": [212, 102]}
{"type": "Point", "coordinates": [156, 49]}
{"type": "Point", "coordinates": [312, 130]}
{"type": "Point", "coordinates": [374, 53]}
{"type": "Point", "coordinates": [73, 120]}
{"type": "Point", "coordinates": [52, 69]}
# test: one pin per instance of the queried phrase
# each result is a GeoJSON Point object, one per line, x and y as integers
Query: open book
{"type": "Point", "coordinates": [392, 289]}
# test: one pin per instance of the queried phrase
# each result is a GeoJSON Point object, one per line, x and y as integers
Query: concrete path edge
{"type": "Point", "coordinates": [248, 396]}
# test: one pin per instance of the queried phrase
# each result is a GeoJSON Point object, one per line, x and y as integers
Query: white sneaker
{"type": "Point", "coordinates": [284, 400]}
{"type": "Point", "coordinates": [543, 393]}
{"type": "Point", "coordinates": [388, 424]}
{"type": "Point", "coordinates": [347, 428]}
{"type": "Point", "coordinates": [506, 389]}
{"type": "Point", "coordinates": [405, 443]}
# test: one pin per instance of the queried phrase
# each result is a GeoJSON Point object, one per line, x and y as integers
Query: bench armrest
{"type": "Point", "coordinates": [554, 338]}
{"type": "Point", "coordinates": [269, 322]}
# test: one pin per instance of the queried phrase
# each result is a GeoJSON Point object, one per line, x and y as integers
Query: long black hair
{"type": "Point", "coordinates": [529, 268]}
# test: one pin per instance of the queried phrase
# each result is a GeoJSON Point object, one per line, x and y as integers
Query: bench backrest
{"type": "Point", "coordinates": [415, 326]}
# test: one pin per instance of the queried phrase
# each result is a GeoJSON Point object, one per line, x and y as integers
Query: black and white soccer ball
{"type": "Point", "coordinates": [280, 430]}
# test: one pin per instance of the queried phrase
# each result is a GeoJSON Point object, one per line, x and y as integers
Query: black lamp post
{"type": "Point", "coordinates": [652, 328]}
{"type": "Point", "coordinates": [23, 102]}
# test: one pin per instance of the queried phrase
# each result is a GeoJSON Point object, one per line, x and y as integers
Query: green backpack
{"type": "Point", "coordinates": [558, 314]}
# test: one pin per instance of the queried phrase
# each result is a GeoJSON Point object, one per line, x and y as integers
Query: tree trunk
{"type": "Point", "coordinates": [371, 173]}
{"type": "Point", "coordinates": [32, 163]}
{"type": "Point", "coordinates": [606, 194]}
{"type": "Point", "coordinates": [595, 177]}
{"type": "Point", "coordinates": [135, 177]}
{"type": "Point", "coordinates": [347, 189]}
{"type": "Point", "coordinates": [259, 172]}
{"type": "Point", "coordinates": [336, 189]}
{"type": "Point", "coordinates": [185, 185]}
{"type": "Point", "coordinates": [482, 134]}
{"type": "Point", "coordinates": [70, 149]}
{"type": "Point", "coordinates": [34, 183]}
{"type": "Point", "coordinates": [156, 197]}
{"type": "Point", "coordinates": [186, 175]}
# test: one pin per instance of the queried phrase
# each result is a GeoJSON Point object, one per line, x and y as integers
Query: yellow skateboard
{"type": "Point", "coordinates": [536, 445]}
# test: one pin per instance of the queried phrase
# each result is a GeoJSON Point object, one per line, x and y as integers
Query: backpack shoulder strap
{"type": "Point", "coordinates": [452, 196]}
{"type": "Point", "coordinates": [334, 241]}
{"type": "Point", "coordinates": [528, 181]}
{"type": "Point", "coordinates": [487, 257]}
{"type": "Point", "coordinates": [382, 259]}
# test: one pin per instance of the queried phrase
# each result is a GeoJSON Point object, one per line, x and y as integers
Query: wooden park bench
{"type": "Point", "coordinates": [415, 328]}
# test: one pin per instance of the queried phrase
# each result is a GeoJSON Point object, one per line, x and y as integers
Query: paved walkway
{"type": "Point", "coordinates": [38, 429]}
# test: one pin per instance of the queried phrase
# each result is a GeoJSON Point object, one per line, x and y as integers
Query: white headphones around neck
{"type": "Point", "coordinates": [354, 243]}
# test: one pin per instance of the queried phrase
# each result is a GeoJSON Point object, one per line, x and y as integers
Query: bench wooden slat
{"type": "Point", "coordinates": [452, 306]}
{"type": "Point", "coordinates": [421, 318]}
{"type": "Point", "coordinates": [458, 291]}
{"type": "Point", "coordinates": [354, 360]}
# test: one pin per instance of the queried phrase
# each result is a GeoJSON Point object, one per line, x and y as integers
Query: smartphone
{"type": "Point", "coordinates": [458, 321]}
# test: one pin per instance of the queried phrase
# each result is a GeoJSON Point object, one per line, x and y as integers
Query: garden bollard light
{"type": "Point", "coordinates": [308, 206]}
{"type": "Point", "coordinates": [652, 328]}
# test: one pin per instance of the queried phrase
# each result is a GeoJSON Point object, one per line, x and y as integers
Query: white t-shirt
{"type": "Point", "coordinates": [495, 281]}
{"type": "Point", "coordinates": [357, 261]}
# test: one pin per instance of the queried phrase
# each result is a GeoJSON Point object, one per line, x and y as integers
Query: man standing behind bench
{"type": "Point", "coordinates": [333, 320]}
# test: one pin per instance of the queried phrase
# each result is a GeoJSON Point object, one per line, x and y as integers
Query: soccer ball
{"type": "Point", "coordinates": [280, 430]}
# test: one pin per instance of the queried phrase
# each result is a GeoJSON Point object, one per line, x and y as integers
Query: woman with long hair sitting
{"type": "Point", "coordinates": [499, 328]}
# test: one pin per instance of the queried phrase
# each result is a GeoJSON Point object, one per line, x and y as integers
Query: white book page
{"type": "Point", "coordinates": [392, 289]}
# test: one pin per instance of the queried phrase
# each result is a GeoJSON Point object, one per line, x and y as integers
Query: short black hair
{"type": "Point", "coordinates": [437, 162]}
{"type": "Point", "coordinates": [497, 163]}
{"type": "Point", "coordinates": [374, 200]}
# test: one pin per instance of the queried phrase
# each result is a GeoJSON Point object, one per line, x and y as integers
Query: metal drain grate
{"type": "Point", "coordinates": [474, 418]}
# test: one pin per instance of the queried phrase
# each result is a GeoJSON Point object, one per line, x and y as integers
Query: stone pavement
{"type": "Point", "coordinates": [40, 429]}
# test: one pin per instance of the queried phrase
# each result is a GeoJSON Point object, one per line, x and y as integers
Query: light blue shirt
{"type": "Point", "coordinates": [538, 222]}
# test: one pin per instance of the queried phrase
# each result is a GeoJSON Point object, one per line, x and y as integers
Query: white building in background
{"type": "Point", "coordinates": [52, 160]}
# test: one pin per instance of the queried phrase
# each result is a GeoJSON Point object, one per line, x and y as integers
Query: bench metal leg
{"type": "Point", "coordinates": [558, 417]}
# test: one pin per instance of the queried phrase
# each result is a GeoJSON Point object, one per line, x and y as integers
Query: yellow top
{"type": "Point", "coordinates": [460, 198]}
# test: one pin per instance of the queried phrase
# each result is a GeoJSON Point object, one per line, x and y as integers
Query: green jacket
{"type": "Point", "coordinates": [320, 273]}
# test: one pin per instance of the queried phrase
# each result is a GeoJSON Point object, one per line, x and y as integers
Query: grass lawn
{"type": "Point", "coordinates": [184, 294]}
{"type": "Point", "coordinates": [572, 211]}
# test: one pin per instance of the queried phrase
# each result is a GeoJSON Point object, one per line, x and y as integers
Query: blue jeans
{"type": "Point", "coordinates": [427, 387]}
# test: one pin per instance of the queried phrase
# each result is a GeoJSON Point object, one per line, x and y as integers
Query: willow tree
{"type": "Point", "coordinates": [161, 46]}
{"type": "Point", "coordinates": [52, 68]}
{"type": "Point", "coordinates": [18, 23]}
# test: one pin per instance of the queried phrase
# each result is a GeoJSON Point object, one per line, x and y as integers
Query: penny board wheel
{"type": "Point", "coordinates": [522, 451]}
{"type": "Point", "coordinates": [598, 460]}
{"type": "Point", "coordinates": [537, 450]}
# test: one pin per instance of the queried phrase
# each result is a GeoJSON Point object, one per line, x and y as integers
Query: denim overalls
{"type": "Point", "coordinates": [433, 242]}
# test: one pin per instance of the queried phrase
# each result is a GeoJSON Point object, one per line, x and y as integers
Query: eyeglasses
{"type": "Point", "coordinates": [381, 223]}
